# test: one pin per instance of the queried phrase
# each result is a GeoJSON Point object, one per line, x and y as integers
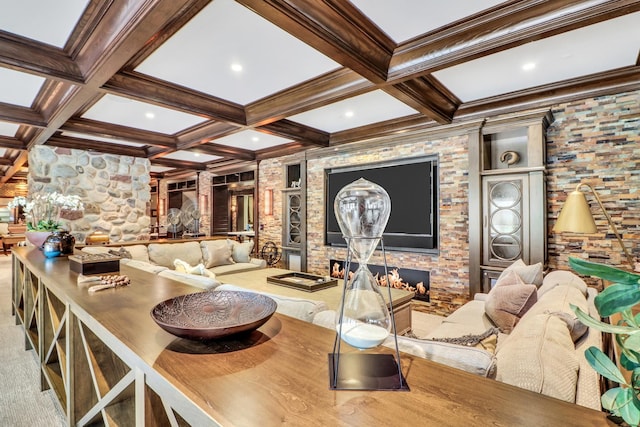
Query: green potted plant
{"type": "Point", "coordinates": [619, 297]}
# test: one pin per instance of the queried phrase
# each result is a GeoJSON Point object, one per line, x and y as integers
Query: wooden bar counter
{"type": "Point", "coordinates": [110, 364]}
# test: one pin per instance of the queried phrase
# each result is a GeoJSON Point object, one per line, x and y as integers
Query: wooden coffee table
{"type": "Point", "coordinates": [10, 240]}
{"type": "Point", "coordinates": [257, 280]}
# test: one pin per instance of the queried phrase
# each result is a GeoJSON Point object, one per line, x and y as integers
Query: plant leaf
{"type": "Point", "coordinates": [605, 272]}
{"type": "Point", "coordinates": [601, 326]}
{"type": "Point", "coordinates": [629, 406]}
{"type": "Point", "coordinates": [629, 360]}
{"type": "Point", "coordinates": [603, 365]}
{"type": "Point", "coordinates": [609, 398]}
{"type": "Point", "coordinates": [616, 298]}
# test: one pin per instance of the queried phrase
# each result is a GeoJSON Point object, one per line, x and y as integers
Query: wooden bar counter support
{"type": "Point", "coordinates": [110, 364]}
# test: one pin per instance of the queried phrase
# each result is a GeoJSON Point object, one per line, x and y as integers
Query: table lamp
{"type": "Point", "coordinates": [575, 217]}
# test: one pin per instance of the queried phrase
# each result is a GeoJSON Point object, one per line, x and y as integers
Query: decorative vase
{"type": "Point", "coordinates": [51, 247]}
{"type": "Point", "coordinates": [67, 241]}
{"type": "Point", "coordinates": [362, 209]}
{"type": "Point", "coordinates": [37, 238]}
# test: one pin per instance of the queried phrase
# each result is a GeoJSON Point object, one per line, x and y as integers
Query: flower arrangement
{"type": "Point", "coordinates": [43, 210]}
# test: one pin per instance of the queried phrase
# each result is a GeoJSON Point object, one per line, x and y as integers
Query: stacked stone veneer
{"type": "Point", "coordinates": [449, 270]}
{"type": "Point", "coordinates": [114, 189]}
{"type": "Point", "coordinates": [596, 141]}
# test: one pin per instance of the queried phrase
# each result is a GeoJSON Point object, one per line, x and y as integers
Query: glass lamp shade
{"type": "Point", "coordinates": [362, 209]}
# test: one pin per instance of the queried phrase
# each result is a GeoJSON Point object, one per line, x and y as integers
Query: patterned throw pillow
{"type": "Point", "coordinates": [505, 305]}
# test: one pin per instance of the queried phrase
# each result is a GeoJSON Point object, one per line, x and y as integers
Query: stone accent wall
{"type": "Point", "coordinates": [449, 270]}
{"type": "Point", "coordinates": [596, 141]}
{"type": "Point", "coordinates": [114, 189]}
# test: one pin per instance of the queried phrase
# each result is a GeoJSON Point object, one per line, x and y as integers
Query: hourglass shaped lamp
{"type": "Point", "coordinates": [363, 320]}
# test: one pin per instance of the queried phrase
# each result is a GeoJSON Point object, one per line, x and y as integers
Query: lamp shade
{"type": "Point", "coordinates": [575, 216]}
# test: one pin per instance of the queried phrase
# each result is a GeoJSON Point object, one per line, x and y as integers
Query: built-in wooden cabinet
{"type": "Point", "coordinates": [294, 229]}
{"type": "Point", "coordinates": [507, 196]}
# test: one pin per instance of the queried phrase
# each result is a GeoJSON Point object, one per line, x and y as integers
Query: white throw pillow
{"type": "Point", "coordinates": [216, 252]}
{"type": "Point", "coordinates": [241, 252]}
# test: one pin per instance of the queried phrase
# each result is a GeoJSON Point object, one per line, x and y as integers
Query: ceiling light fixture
{"type": "Point", "coordinates": [255, 139]}
{"type": "Point", "coordinates": [149, 115]}
{"type": "Point", "coordinates": [528, 66]}
{"type": "Point", "coordinates": [348, 114]}
{"type": "Point", "coordinates": [236, 67]}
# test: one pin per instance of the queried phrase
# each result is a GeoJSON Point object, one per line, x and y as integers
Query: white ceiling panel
{"type": "Point", "coordinates": [8, 129]}
{"type": "Point", "coordinates": [251, 140]}
{"type": "Point", "coordinates": [549, 60]}
{"type": "Point", "coordinates": [46, 21]}
{"type": "Point", "coordinates": [201, 55]}
{"type": "Point", "coordinates": [159, 169]}
{"type": "Point", "coordinates": [140, 115]}
{"type": "Point", "coordinates": [405, 19]}
{"type": "Point", "coordinates": [18, 88]}
{"type": "Point", "coordinates": [358, 111]}
{"type": "Point", "coordinates": [191, 156]}
{"type": "Point", "coordinates": [3, 151]}
{"type": "Point", "coordinates": [102, 139]}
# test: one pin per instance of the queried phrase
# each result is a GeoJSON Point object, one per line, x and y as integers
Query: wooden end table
{"type": "Point", "coordinates": [10, 240]}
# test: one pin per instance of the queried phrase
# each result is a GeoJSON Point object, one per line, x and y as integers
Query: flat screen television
{"type": "Point", "coordinates": [412, 185]}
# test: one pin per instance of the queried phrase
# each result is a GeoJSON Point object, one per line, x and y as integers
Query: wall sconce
{"type": "Point", "coordinates": [163, 207]}
{"type": "Point", "coordinates": [268, 202]}
{"type": "Point", "coordinates": [575, 217]}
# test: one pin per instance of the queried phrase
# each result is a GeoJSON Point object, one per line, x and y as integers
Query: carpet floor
{"type": "Point", "coordinates": [22, 404]}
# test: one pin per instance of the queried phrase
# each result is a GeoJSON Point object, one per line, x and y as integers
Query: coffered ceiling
{"type": "Point", "coordinates": [214, 85]}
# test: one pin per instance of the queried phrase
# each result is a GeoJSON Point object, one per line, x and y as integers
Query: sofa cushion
{"type": "Point", "coordinates": [530, 274]}
{"type": "Point", "coordinates": [202, 282]}
{"type": "Point", "coordinates": [216, 253]}
{"type": "Point", "coordinates": [300, 308]}
{"type": "Point", "coordinates": [558, 301]}
{"type": "Point", "coordinates": [471, 314]}
{"type": "Point", "coordinates": [539, 355]}
{"type": "Point", "coordinates": [165, 253]}
{"type": "Point", "coordinates": [241, 252]}
{"type": "Point", "coordinates": [4, 228]}
{"type": "Point", "coordinates": [561, 277]}
{"type": "Point", "coordinates": [138, 252]}
{"type": "Point", "coordinates": [141, 265]}
{"type": "Point", "coordinates": [505, 305]}
{"type": "Point", "coordinates": [469, 359]}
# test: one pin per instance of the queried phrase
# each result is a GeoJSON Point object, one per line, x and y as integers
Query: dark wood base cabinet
{"type": "Point", "coordinates": [110, 364]}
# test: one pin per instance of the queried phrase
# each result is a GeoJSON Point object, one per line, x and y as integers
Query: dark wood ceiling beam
{"type": "Point", "coordinates": [5, 162]}
{"type": "Point", "coordinates": [180, 164]}
{"type": "Point", "coordinates": [391, 127]}
{"type": "Point", "coordinates": [336, 28]}
{"type": "Point", "coordinates": [500, 28]}
{"type": "Point", "coordinates": [304, 134]}
{"type": "Point", "coordinates": [149, 89]}
{"type": "Point", "coordinates": [205, 132]}
{"type": "Point", "coordinates": [331, 87]}
{"type": "Point", "coordinates": [12, 143]}
{"type": "Point", "coordinates": [124, 28]}
{"type": "Point", "coordinates": [18, 163]}
{"type": "Point", "coordinates": [614, 81]}
{"type": "Point", "coordinates": [281, 150]}
{"type": "Point", "coordinates": [428, 96]}
{"type": "Point", "coordinates": [224, 151]}
{"type": "Point", "coordinates": [21, 115]}
{"type": "Point", "coordinates": [101, 147]}
{"type": "Point", "coordinates": [33, 57]}
{"type": "Point", "coordinates": [108, 130]}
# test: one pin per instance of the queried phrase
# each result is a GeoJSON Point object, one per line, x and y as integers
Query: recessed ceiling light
{"type": "Point", "coordinates": [149, 115]}
{"type": "Point", "coordinates": [529, 66]}
{"type": "Point", "coordinates": [255, 139]}
{"type": "Point", "coordinates": [236, 67]}
{"type": "Point", "coordinates": [348, 114]}
{"type": "Point", "coordinates": [196, 154]}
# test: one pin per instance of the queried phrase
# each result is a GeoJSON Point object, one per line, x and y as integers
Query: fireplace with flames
{"type": "Point", "coordinates": [416, 281]}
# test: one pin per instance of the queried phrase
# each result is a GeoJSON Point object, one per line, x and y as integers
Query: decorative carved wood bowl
{"type": "Point", "coordinates": [213, 314]}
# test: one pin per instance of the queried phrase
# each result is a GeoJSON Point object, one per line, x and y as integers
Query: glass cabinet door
{"type": "Point", "coordinates": [294, 221]}
{"type": "Point", "coordinates": [506, 234]}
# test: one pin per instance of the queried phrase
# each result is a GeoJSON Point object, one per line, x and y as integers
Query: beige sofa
{"type": "Point", "coordinates": [208, 259]}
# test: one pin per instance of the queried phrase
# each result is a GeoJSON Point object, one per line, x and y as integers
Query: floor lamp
{"type": "Point", "coordinates": [575, 217]}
